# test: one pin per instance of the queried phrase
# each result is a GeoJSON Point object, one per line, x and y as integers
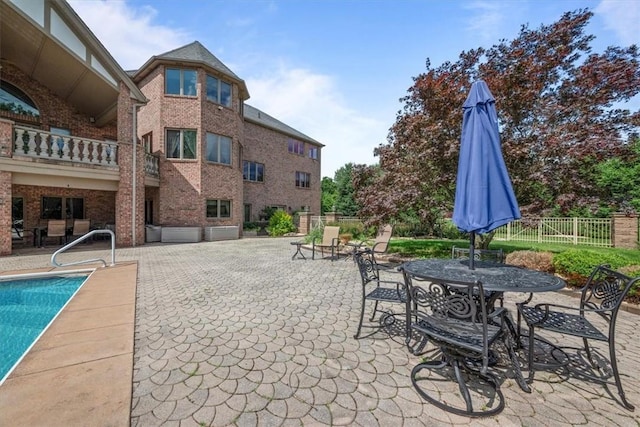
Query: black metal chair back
{"type": "Point", "coordinates": [453, 315]}
{"type": "Point", "coordinates": [603, 294]}
{"type": "Point", "coordinates": [376, 289]}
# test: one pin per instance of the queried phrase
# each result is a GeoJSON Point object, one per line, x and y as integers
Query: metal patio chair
{"type": "Point", "coordinates": [602, 295]}
{"type": "Point", "coordinates": [377, 290]}
{"type": "Point", "coordinates": [453, 316]}
{"type": "Point", "coordinates": [330, 241]}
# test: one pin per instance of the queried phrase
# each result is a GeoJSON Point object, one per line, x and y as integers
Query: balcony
{"type": "Point", "coordinates": [36, 143]}
{"type": "Point", "coordinates": [40, 144]}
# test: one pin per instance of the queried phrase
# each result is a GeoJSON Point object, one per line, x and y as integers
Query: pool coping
{"type": "Point", "coordinates": [80, 371]}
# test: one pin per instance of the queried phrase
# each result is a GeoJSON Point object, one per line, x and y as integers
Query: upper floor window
{"type": "Point", "coordinates": [296, 147]}
{"type": "Point", "coordinates": [16, 101]}
{"type": "Point", "coordinates": [181, 144]}
{"type": "Point", "coordinates": [218, 148]}
{"type": "Point", "coordinates": [218, 208]}
{"type": "Point", "coordinates": [252, 171]}
{"type": "Point", "coordinates": [147, 141]}
{"type": "Point", "coordinates": [313, 152]}
{"type": "Point", "coordinates": [218, 91]}
{"type": "Point", "coordinates": [303, 179]}
{"type": "Point", "coordinates": [180, 82]}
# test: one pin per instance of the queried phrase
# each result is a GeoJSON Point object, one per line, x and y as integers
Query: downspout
{"type": "Point", "coordinates": [134, 174]}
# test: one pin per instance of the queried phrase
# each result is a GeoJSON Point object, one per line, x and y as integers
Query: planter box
{"type": "Point", "coordinates": [181, 234]}
{"type": "Point", "coordinates": [221, 232]}
{"type": "Point", "coordinates": [153, 233]}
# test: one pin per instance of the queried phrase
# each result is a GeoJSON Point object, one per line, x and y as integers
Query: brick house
{"type": "Point", "coordinates": [69, 114]}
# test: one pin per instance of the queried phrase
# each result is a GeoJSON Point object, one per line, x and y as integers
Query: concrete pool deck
{"type": "Point", "coordinates": [236, 333]}
{"type": "Point", "coordinates": [61, 381]}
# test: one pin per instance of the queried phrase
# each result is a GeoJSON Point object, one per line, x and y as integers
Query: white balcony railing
{"type": "Point", "coordinates": [151, 165]}
{"type": "Point", "coordinates": [40, 144]}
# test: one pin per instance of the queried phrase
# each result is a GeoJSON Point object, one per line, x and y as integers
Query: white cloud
{"type": "Point", "coordinates": [623, 18]}
{"type": "Point", "coordinates": [487, 20]}
{"type": "Point", "coordinates": [129, 34]}
{"type": "Point", "coordinates": [311, 103]}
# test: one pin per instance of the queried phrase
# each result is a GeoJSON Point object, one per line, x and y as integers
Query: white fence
{"type": "Point", "coordinates": [577, 231]}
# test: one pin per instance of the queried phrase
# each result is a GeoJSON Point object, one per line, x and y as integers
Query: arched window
{"type": "Point", "coordinates": [16, 101]}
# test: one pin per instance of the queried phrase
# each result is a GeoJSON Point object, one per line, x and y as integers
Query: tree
{"type": "Point", "coordinates": [345, 201]}
{"type": "Point", "coordinates": [329, 195]}
{"type": "Point", "coordinates": [620, 178]}
{"type": "Point", "coordinates": [555, 102]}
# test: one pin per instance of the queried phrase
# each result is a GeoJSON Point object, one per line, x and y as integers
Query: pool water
{"type": "Point", "coordinates": [27, 307]}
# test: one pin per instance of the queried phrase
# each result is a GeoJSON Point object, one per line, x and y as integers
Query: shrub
{"type": "Point", "coordinates": [577, 264]}
{"type": "Point", "coordinates": [280, 224]}
{"type": "Point", "coordinates": [541, 261]}
{"type": "Point", "coordinates": [248, 226]}
{"type": "Point", "coordinates": [450, 231]}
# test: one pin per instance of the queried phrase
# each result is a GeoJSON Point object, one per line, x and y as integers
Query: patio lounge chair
{"type": "Point", "coordinates": [330, 241]}
{"type": "Point", "coordinates": [57, 228]}
{"type": "Point", "coordinates": [379, 246]}
{"type": "Point", "coordinates": [80, 228]}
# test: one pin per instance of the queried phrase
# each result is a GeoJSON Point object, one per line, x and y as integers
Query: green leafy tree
{"type": "Point", "coordinates": [555, 102]}
{"type": "Point", "coordinates": [345, 202]}
{"type": "Point", "coordinates": [620, 178]}
{"type": "Point", "coordinates": [329, 195]}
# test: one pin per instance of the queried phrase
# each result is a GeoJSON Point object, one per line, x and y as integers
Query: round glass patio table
{"type": "Point", "coordinates": [494, 277]}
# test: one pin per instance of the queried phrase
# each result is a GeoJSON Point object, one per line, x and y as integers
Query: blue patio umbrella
{"type": "Point", "coordinates": [484, 195]}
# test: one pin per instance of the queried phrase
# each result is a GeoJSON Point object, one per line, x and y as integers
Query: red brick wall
{"type": "Point", "coordinates": [269, 147]}
{"type": "Point", "coordinates": [124, 196]}
{"type": "Point", "coordinates": [185, 185]}
{"type": "Point", "coordinates": [5, 213]}
{"type": "Point", "coordinates": [6, 136]}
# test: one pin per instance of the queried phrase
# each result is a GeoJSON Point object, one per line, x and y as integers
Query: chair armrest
{"type": "Point", "coordinates": [373, 248]}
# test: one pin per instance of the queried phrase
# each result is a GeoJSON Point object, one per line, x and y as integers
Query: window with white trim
{"type": "Point", "coordinates": [296, 147]}
{"type": "Point", "coordinates": [181, 144]}
{"type": "Point", "coordinates": [303, 179]}
{"type": "Point", "coordinates": [218, 91]}
{"type": "Point", "coordinates": [217, 208]}
{"type": "Point", "coordinates": [178, 81]}
{"type": "Point", "coordinates": [313, 153]}
{"type": "Point", "coordinates": [252, 171]}
{"type": "Point", "coordinates": [218, 148]}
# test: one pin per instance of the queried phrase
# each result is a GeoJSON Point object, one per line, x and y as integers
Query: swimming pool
{"type": "Point", "coordinates": [27, 307]}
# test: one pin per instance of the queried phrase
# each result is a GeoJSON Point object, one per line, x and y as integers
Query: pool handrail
{"type": "Point", "coordinates": [88, 261]}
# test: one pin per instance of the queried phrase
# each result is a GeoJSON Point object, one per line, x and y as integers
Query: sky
{"type": "Point", "coordinates": [336, 70]}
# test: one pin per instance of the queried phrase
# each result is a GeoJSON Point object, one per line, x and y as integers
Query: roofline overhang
{"type": "Point", "coordinates": [99, 50]}
{"type": "Point", "coordinates": [156, 61]}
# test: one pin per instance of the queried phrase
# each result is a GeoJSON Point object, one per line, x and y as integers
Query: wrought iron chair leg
{"type": "Point", "coordinates": [531, 348]}
{"type": "Point", "coordinates": [375, 310]}
{"type": "Point", "coordinates": [464, 390]}
{"type": "Point", "coordinates": [616, 376]}
{"type": "Point", "coordinates": [357, 335]}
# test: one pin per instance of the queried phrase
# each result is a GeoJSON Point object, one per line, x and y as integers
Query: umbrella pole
{"type": "Point", "coordinates": [472, 241]}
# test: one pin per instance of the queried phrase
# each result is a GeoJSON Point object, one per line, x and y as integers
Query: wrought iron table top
{"type": "Point", "coordinates": [495, 277]}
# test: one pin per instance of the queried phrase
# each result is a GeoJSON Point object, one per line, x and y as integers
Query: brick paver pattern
{"type": "Point", "coordinates": [237, 333]}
